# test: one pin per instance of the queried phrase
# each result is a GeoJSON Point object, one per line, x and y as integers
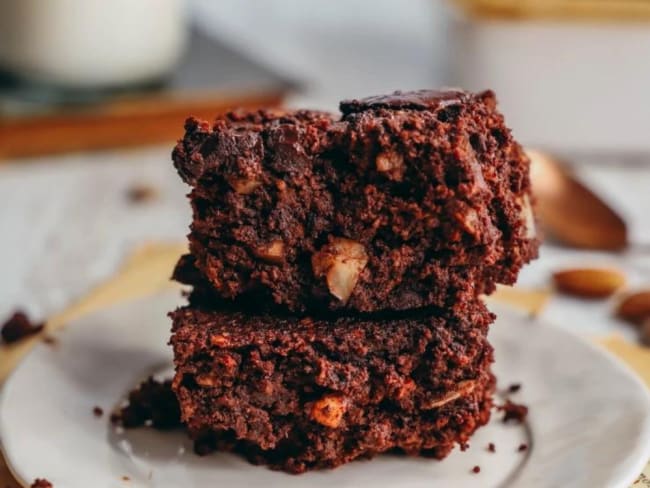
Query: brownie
{"type": "Point", "coordinates": [403, 201]}
{"type": "Point", "coordinates": [304, 393]}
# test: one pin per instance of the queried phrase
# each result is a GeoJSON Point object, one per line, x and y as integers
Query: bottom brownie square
{"type": "Point", "coordinates": [302, 393]}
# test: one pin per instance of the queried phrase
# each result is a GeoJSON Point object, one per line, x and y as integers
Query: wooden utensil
{"type": "Point", "coordinates": [211, 78]}
{"type": "Point", "coordinates": [571, 213]}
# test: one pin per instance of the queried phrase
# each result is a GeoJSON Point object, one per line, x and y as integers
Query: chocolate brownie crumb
{"type": "Point", "coordinates": [98, 411]}
{"type": "Point", "coordinates": [476, 469]}
{"type": "Point", "coordinates": [141, 193]}
{"type": "Point", "coordinates": [151, 404]}
{"type": "Point", "coordinates": [513, 412]}
{"type": "Point", "coordinates": [492, 447]}
{"type": "Point", "coordinates": [126, 478]}
{"type": "Point", "coordinates": [522, 447]}
{"type": "Point", "coordinates": [41, 483]}
{"type": "Point", "coordinates": [514, 387]}
{"type": "Point", "coordinates": [18, 326]}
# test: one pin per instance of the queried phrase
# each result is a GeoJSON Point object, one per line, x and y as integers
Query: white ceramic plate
{"type": "Point", "coordinates": [589, 421]}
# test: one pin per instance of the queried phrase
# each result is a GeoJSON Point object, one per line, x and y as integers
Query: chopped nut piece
{"type": "Point", "coordinates": [272, 252]}
{"type": "Point", "coordinates": [329, 410]}
{"type": "Point", "coordinates": [244, 186]}
{"type": "Point", "coordinates": [341, 262]}
{"type": "Point", "coordinates": [589, 283]}
{"type": "Point", "coordinates": [469, 220]}
{"type": "Point", "coordinates": [206, 380]}
{"type": "Point", "coordinates": [463, 388]}
{"type": "Point", "coordinates": [635, 307]}
{"type": "Point", "coordinates": [219, 340]}
{"type": "Point", "coordinates": [391, 163]}
{"type": "Point", "coordinates": [528, 217]}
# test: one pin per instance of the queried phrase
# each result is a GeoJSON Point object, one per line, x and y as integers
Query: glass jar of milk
{"type": "Point", "coordinates": [90, 44]}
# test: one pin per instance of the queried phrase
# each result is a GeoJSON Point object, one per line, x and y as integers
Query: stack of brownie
{"type": "Point", "coordinates": [337, 264]}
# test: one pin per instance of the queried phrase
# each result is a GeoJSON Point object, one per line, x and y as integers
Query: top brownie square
{"type": "Point", "coordinates": [404, 201]}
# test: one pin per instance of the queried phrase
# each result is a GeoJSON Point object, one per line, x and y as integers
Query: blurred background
{"type": "Point", "coordinates": [93, 95]}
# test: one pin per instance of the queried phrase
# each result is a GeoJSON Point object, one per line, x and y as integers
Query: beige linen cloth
{"type": "Point", "coordinates": [148, 269]}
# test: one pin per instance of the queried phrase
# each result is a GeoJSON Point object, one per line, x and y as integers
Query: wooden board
{"type": "Point", "coordinates": [137, 123]}
{"type": "Point", "coordinates": [600, 10]}
{"type": "Point", "coordinates": [210, 79]}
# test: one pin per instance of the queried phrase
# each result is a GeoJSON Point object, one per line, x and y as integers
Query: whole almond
{"type": "Point", "coordinates": [635, 307]}
{"type": "Point", "coordinates": [589, 282]}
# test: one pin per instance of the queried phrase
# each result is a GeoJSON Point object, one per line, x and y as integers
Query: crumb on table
{"type": "Point", "coordinates": [514, 412]}
{"type": "Point", "coordinates": [142, 193]}
{"type": "Point", "coordinates": [19, 326]}
{"type": "Point", "coordinates": [41, 483]}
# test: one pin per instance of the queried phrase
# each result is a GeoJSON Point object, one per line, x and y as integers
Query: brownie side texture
{"type": "Point", "coordinates": [403, 202]}
{"type": "Point", "coordinates": [304, 393]}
